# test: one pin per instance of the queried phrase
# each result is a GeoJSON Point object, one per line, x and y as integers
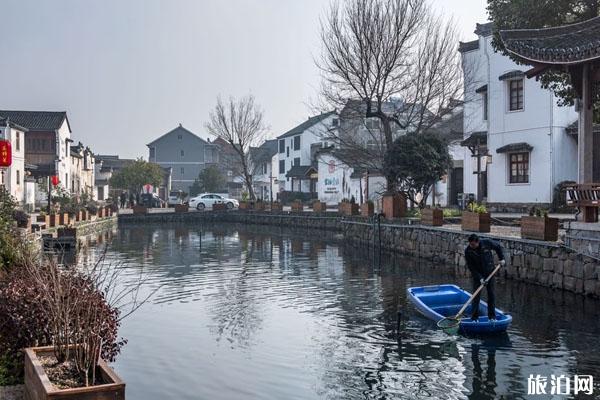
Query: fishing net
{"type": "Point", "coordinates": [449, 325]}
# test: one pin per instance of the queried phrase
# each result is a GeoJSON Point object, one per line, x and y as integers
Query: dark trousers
{"type": "Point", "coordinates": [491, 299]}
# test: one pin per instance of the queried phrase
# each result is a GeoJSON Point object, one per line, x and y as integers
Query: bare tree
{"type": "Point", "coordinates": [390, 65]}
{"type": "Point", "coordinates": [239, 123]}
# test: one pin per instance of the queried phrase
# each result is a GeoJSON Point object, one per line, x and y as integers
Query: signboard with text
{"type": "Point", "coordinates": [5, 153]}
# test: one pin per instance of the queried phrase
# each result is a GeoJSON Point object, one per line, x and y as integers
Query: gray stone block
{"type": "Point", "coordinates": [569, 283]}
{"type": "Point", "coordinates": [557, 281]}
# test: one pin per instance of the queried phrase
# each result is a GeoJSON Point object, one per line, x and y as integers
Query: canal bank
{"type": "Point", "coordinates": [547, 264]}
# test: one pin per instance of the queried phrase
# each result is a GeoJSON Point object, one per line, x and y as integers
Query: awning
{"type": "Point", "coordinates": [514, 74]}
{"type": "Point", "coordinates": [476, 139]}
{"type": "Point", "coordinates": [301, 171]}
{"type": "Point", "coordinates": [481, 89]}
{"type": "Point", "coordinates": [515, 147]}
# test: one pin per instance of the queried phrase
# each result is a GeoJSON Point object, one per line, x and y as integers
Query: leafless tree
{"type": "Point", "coordinates": [239, 123]}
{"type": "Point", "coordinates": [390, 66]}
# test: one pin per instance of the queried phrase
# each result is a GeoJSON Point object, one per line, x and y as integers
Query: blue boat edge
{"type": "Point", "coordinates": [467, 326]}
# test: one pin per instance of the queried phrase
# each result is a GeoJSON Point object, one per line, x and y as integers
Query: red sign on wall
{"type": "Point", "coordinates": [5, 153]}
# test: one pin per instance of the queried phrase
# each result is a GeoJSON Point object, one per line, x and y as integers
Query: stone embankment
{"type": "Point", "coordinates": [548, 264]}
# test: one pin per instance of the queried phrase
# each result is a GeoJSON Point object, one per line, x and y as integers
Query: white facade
{"type": "Point", "coordinates": [294, 149]}
{"type": "Point", "coordinates": [63, 153]}
{"type": "Point", "coordinates": [536, 152]}
{"type": "Point", "coordinates": [13, 177]}
{"type": "Point", "coordinates": [264, 179]}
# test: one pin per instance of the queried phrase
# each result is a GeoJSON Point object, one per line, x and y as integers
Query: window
{"type": "Point", "coordinates": [484, 97]}
{"type": "Point", "coordinates": [335, 122]}
{"type": "Point", "coordinates": [282, 167]}
{"type": "Point", "coordinates": [18, 144]}
{"type": "Point", "coordinates": [179, 137]}
{"type": "Point", "coordinates": [519, 167]}
{"type": "Point", "coordinates": [182, 153]}
{"type": "Point", "coordinates": [515, 89]}
{"type": "Point", "coordinates": [297, 142]}
{"type": "Point", "coordinates": [18, 177]}
{"type": "Point", "coordinates": [282, 146]}
{"type": "Point", "coordinates": [287, 154]}
{"type": "Point", "coordinates": [264, 168]}
{"type": "Point", "coordinates": [182, 170]}
{"type": "Point", "coordinates": [152, 153]}
{"type": "Point", "coordinates": [297, 161]}
{"type": "Point", "coordinates": [372, 123]}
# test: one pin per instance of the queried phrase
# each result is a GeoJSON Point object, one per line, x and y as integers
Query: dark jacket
{"type": "Point", "coordinates": [481, 260]}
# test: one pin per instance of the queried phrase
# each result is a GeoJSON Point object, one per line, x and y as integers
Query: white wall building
{"type": "Point", "coordinates": [263, 167]}
{"type": "Point", "coordinates": [523, 128]}
{"type": "Point", "coordinates": [13, 178]}
{"type": "Point", "coordinates": [296, 171]}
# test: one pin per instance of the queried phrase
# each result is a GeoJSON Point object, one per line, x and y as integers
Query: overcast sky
{"type": "Point", "coordinates": [127, 71]}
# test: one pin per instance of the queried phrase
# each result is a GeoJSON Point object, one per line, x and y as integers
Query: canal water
{"type": "Point", "coordinates": [265, 313]}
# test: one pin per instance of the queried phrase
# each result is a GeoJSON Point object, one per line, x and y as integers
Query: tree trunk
{"type": "Point", "coordinates": [391, 184]}
{"type": "Point", "coordinates": [248, 179]}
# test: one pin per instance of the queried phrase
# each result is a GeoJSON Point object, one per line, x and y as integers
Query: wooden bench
{"type": "Point", "coordinates": [586, 197]}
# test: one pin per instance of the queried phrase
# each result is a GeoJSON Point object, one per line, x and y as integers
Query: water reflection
{"type": "Point", "coordinates": [251, 312]}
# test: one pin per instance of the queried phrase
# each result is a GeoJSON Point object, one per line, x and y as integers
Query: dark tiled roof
{"type": "Point", "coordinates": [264, 152]}
{"type": "Point", "coordinates": [573, 129]}
{"type": "Point", "coordinates": [509, 148]}
{"type": "Point", "coordinates": [484, 29]}
{"type": "Point", "coordinates": [476, 138]}
{"type": "Point", "coordinates": [37, 120]}
{"type": "Point", "coordinates": [511, 75]}
{"type": "Point", "coordinates": [566, 44]}
{"type": "Point", "coordinates": [481, 89]}
{"type": "Point", "coordinates": [300, 171]}
{"type": "Point", "coordinates": [179, 129]}
{"type": "Point", "coordinates": [306, 124]}
{"type": "Point", "coordinates": [113, 162]}
{"type": "Point", "coordinates": [4, 121]}
{"type": "Point", "coordinates": [468, 46]}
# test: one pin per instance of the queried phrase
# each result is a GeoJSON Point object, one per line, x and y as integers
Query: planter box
{"type": "Point", "coordinates": [107, 211]}
{"type": "Point", "coordinates": [38, 386]}
{"type": "Point", "coordinates": [181, 208]}
{"type": "Point", "coordinates": [432, 216]}
{"type": "Point", "coordinates": [475, 222]}
{"type": "Point", "coordinates": [394, 205]}
{"type": "Point", "coordinates": [139, 210]}
{"type": "Point", "coordinates": [297, 206]}
{"type": "Point", "coordinates": [367, 209]}
{"type": "Point", "coordinates": [78, 216]}
{"type": "Point", "coordinates": [85, 215]}
{"type": "Point", "coordinates": [276, 207]}
{"type": "Point", "coordinates": [259, 206]}
{"type": "Point", "coordinates": [54, 220]}
{"type": "Point", "coordinates": [219, 207]}
{"type": "Point", "coordinates": [64, 219]}
{"type": "Point", "coordinates": [346, 208]}
{"type": "Point", "coordinates": [319, 207]}
{"type": "Point", "coordinates": [244, 205]}
{"type": "Point", "coordinates": [66, 232]}
{"type": "Point", "coordinates": [25, 224]}
{"type": "Point", "coordinates": [44, 220]}
{"type": "Point", "coordinates": [539, 228]}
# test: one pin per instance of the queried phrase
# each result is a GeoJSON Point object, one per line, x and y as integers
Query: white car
{"type": "Point", "coordinates": [174, 199]}
{"type": "Point", "coordinates": [206, 200]}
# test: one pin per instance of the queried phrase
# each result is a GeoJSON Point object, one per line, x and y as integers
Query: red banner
{"type": "Point", "coordinates": [55, 180]}
{"type": "Point", "coordinates": [5, 153]}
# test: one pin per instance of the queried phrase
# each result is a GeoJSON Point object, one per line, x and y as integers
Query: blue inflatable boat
{"type": "Point", "coordinates": [437, 302]}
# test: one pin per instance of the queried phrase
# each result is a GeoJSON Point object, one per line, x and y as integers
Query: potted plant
{"type": "Point", "coordinates": [432, 216]}
{"type": "Point", "coordinates": [319, 206]}
{"type": "Point", "coordinates": [394, 205]}
{"type": "Point", "coordinates": [476, 218]}
{"type": "Point", "coordinates": [245, 204]}
{"type": "Point", "coordinates": [92, 209]}
{"type": "Point", "coordinates": [276, 206]}
{"type": "Point", "coordinates": [367, 209]}
{"type": "Point", "coordinates": [538, 226]}
{"type": "Point", "coordinates": [54, 219]}
{"type": "Point", "coordinates": [259, 205]}
{"type": "Point", "coordinates": [64, 218]}
{"type": "Point", "coordinates": [23, 219]}
{"type": "Point", "coordinates": [182, 208]}
{"type": "Point", "coordinates": [43, 218]}
{"type": "Point", "coordinates": [219, 207]}
{"type": "Point", "coordinates": [348, 207]}
{"type": "Point", "coordinates": [297, 206]}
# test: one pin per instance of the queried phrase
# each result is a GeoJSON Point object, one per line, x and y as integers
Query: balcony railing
{"type": "Point", "coordinates": [583, 195]}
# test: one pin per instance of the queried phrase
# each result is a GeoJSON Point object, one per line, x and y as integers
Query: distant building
{"type": "Point", "coordinates": [185, 153]}
{"type": "Point", "coordinates": [228, 160]}
{"type": "Point", "coordinates": [516, 127]}
{"type": "Point", "coordinates": [297, 169]}
{"type": "Point", "coordinates": [263, 166]}
{"type": "Point", "coordinates": [13, 178]}
{"type": "Point", "coordinates": [82, 170]}
{"type": "Point", "coordinates": [105, 167]}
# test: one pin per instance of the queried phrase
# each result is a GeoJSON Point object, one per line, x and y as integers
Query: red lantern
{"type": "Point", "coordinates": [55, 180]}
{"type": "Point", "coordinates": [5, 153]}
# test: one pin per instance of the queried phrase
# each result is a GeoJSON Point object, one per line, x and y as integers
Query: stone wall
{"type": "Point", "coordinates": [542, 263]}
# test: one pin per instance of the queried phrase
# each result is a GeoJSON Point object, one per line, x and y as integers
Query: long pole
{"type": "Point", "coordinates": [49, 195]}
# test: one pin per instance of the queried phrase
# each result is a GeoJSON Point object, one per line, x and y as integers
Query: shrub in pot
{"type": "Point", "coordinates": [319, 206]}
{"type": "Point", "coordinates": [476, 218]}
{"type": "Point", "coordinates": [297, 206]}
{"type": "Point", "coordinates": [394, 205]}
{"type": "Point", "coordinates": [538, 226]}
{"type": "Point", "coordinates": [348, 207]}
{"type": "Point", "coordinates": [23, 219]}
{"type": "Point", "coordinates": [276, 206]}
{"type": "Point", "coordinates": [432, 216]}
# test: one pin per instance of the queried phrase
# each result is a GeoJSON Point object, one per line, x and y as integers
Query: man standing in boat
{"type": "Point", "coordinates": [480, 261]}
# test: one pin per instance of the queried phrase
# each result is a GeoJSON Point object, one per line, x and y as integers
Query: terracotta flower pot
{"type": "Point", "coordinates": [367, 209]}
{"type": "Point", "coordinates": [394, 205]}
{"type": "Point", "coordinates": [297, 206]}
{"type": "Point", "coordinates": [347, 208]}
{"type": "Point", "coordinates": [39, 387]}
{"type": "Point", "coordinates": [319, 206]}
